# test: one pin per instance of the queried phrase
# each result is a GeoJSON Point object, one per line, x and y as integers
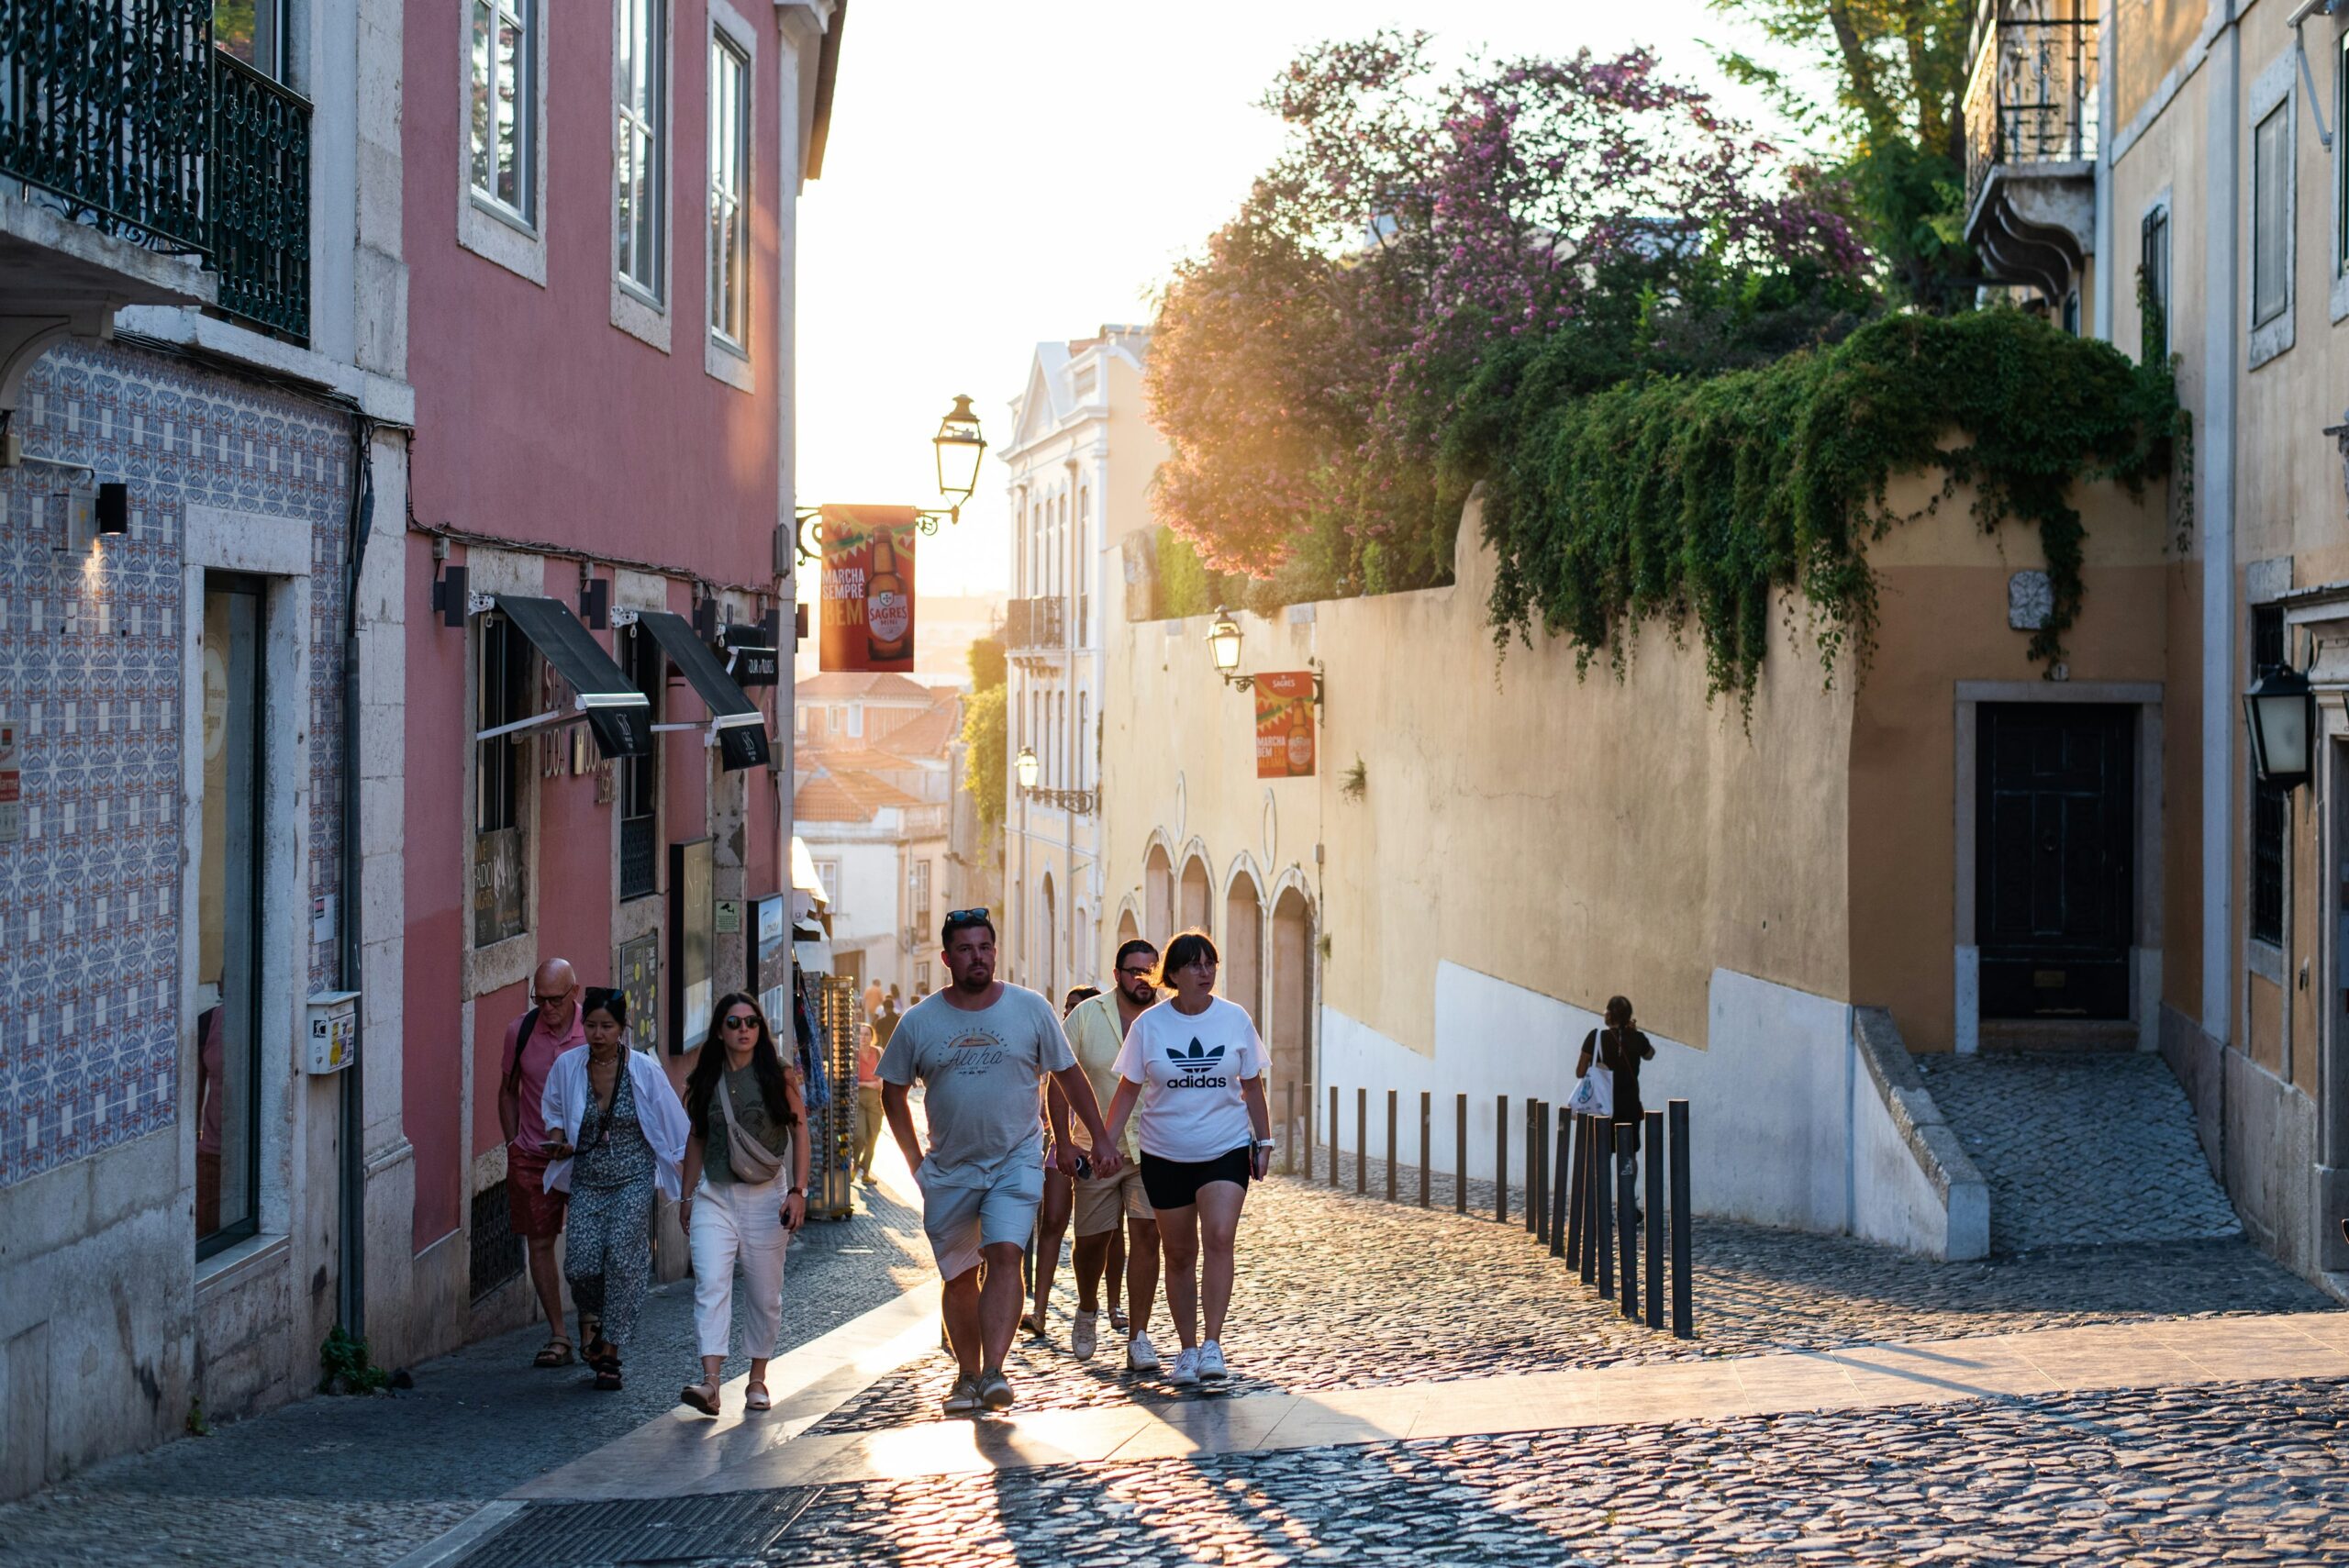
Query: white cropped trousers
{"type": "Point", "coordinates": [737, 1224]}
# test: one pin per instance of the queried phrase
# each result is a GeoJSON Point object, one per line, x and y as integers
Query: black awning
{"type": "Point", "coordinates": [620, 715]}
{"type": "Point", "coordinates": [736, 727]}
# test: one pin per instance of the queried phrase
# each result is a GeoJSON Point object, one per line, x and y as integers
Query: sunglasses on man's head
{"type": "Point", "coordinates": [978, 914]}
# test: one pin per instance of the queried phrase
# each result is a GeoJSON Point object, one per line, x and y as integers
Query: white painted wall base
{"type": "Point", "coordinates": [1786, 1127]}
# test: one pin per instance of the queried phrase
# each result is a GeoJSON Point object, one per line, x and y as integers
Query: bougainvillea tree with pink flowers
{"type": "Point", "coordinates": [1421, 225]}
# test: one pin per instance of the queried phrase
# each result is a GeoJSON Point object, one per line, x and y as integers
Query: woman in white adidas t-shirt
{"type": "Point", "coordinates": [1196, 1069]}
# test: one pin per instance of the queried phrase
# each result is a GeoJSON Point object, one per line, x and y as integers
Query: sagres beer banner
{"type": "Point", "coordinates": [869, 589]}
{"type": "Point", "coordinates": [1285, 725]}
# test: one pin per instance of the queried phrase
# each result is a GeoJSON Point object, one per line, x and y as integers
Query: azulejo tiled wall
{"type": "Point", "coordinates": [90, 673]}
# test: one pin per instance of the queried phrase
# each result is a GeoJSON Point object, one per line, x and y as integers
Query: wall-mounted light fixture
{"type": "Point", "coordinates": [1224, 638]}
{"type": "Point", "coordinates": [958, 446]}
{"type": "Point", "coordinates": [2280, 708]}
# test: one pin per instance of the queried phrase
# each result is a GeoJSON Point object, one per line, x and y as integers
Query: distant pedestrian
{"type": "Point", "coordinates": [550, 1027]}
{"type": "Point", "coordinates": [979, 1049]}
{"type": "Point", "coordinates": [1110, 1209]}
{"type": "Point", "coordinates": [1619, 1047]}
{"type": "Point", "coordinates": [744, 1115]}
{"type": "Point", "coordinates": [1064, 1157]}
{"type": "Point", "coordinates": [873, 995]}
{"type": "Point", "coordinates": [868, 1088]}
{"type": "Point", "coordinates": [1196, 1067]}
{"type": "Point", "coordinates": [615, 1133]}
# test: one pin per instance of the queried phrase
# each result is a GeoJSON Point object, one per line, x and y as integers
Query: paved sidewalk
{"type": "Point", "coordinates": [1335, 1291]}
{"type": "Point", "coordinates": [362, 1481]}
{"type": "Point", "coordinates": [2081, 1150]}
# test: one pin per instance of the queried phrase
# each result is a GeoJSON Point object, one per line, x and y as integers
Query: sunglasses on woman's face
{"type": "Point", "coordinates": [741, 1022]}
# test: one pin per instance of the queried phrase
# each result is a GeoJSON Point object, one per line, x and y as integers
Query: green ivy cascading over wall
{"type": "Point", "coordinates": [1670, 496]}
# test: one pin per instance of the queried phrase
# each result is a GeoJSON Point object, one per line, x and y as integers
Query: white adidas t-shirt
{"type": "Point", "coordinates": [1190, 1068]}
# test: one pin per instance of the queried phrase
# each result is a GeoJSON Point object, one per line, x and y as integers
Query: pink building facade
{"type": "Point", "coordinates": [600, 207]}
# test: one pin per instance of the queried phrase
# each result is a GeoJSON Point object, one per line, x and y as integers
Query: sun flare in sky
{"type": "Point", "coordinates": [1001, 176]}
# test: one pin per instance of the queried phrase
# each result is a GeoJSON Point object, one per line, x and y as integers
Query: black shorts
{"type": "Point", "coordinates": [1175, 1183]}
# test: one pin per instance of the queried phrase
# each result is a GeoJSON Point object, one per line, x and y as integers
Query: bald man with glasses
{"type": "Point", "coordinates": [551, 1026]}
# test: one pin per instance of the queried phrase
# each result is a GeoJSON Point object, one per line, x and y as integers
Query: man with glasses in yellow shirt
{"type": "Point", "coordinates": [1097, 1030]}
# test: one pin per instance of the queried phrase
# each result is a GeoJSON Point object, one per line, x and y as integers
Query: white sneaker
{"type": "Point", "coordinates": [1140, 1357]}
{"type": "Point", "coordinates": [1080, 1335]}
{"type": "Point", "coordinates": [1186, 1368]}
{"type": "Point", "coordinates": [1212, 1368]}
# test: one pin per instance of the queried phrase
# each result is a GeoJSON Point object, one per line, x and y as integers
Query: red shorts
{"type": "Point", "coordinates": [530, 1209]}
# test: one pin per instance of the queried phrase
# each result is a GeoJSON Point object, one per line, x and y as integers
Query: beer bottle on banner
{"type": "Point", "coordinates": [1300, 737]}
{"type": "Point", "coordinates": [888, 610]}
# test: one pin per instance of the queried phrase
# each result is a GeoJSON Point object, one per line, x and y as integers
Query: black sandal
{"type": "Point", "coordinates": [607, 1379]}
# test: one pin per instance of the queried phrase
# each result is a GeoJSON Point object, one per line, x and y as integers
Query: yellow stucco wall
{"type": "Point", "coordinates": [1583, 836]}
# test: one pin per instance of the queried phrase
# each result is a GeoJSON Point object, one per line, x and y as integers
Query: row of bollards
{"type": "Point", "coordinates": [1579, 1182]}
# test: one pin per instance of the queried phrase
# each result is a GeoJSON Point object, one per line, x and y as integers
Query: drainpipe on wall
{"type": "Point", "coordinates": [2109, 272]}
{"type": "Point", "coordinates": [2215, 495]}
{"type": "Point", "coordinates": [352, 1267]}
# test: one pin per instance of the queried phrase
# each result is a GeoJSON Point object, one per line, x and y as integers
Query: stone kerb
{"type": "Point", "coordinates": [1961, 1194]}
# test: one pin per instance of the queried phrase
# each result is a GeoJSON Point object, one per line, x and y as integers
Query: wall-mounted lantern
{"type": "Point", "coordinates": [1026, 766]}
{"type": "Point", "coordinates": [960, 447]}
{"type": "Point", "coordinates": [2281, 711]}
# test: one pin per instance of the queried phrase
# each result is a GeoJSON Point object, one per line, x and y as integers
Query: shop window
{"type": "Point", "coordinates": [227, 1026]}
{"type": "Point", "coordinates": [2270, 804]}
{"type": "Point", "coordinates": [640, 81]}
{"type": "Point", "coordinates": [639, 776]}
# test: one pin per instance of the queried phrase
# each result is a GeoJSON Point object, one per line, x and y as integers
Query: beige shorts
{"type": "Point", "coordinates": [1099, 1203]}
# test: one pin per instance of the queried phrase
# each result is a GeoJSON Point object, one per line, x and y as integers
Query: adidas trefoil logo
{"type": "Point", "coordinates": [1199, 1056]}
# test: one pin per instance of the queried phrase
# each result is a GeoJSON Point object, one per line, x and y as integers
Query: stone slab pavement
{"type": "Point", "coordinates": [364, 1481]}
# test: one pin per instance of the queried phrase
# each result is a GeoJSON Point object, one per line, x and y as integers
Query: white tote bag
{"type": "Point", "coordinates": [1595, 1095]}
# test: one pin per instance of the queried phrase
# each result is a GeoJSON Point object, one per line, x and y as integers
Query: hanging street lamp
{"type": "Point", "coordinates": [1223, 644]}
{"type": "Point", "coordinates": [2281, 711]}
{"type": "Point", "coordinates": [1026, 766]}
{"type": "Point", "coordinates": [960, 447]}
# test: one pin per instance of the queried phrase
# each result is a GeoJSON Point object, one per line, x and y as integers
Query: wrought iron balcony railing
{"type": "Point", "coordinates": [2032, 96]}
{"type": "Point", "coordinates": [260, 197]}
{"type": "Point", "coordinates": [109, 108]}
{"type": "Point", "coordinates": [1035, 623]}
{"type": "Point", "coordinates": [130, 120]}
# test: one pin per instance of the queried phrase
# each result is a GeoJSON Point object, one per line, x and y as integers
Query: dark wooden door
{"type": "Point", "coordinates": [2055, 858]}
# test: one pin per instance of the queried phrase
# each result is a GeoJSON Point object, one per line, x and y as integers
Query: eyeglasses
{"type": "Point", "coordinates": [1133, 975]}
{"type": "Point", "coordinates": [742, 1020]}
{"type": "Point", "coordinates": [545, 1001]}
{"type": "Point", "coordinates": [978, 914]}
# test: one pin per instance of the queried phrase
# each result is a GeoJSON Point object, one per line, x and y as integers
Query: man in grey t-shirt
{"type": "Point", "coordinates": [980, 1048]}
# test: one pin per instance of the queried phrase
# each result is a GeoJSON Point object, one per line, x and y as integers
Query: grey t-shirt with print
{"type": "Point", "coordinates": [979, 1072]}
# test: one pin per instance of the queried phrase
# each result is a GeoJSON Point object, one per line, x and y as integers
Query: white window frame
{"type": "Point", "coordinates": [2277, 91]}
{"type": "Point", "coordinates": [514, 239]}
{"type": "Point", "coordinates": [2161, 206]}
{"type": "Point", "coordinates": [724, 357]}
{"type": "Point", "coordinates": [2337, 242]}
{"type": "Point", "coordinates": [640, 310]}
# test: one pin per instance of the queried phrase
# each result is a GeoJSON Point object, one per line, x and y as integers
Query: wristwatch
{"type": "Point", "coordinates": [796, 1191]}
{"type": "Point", "coordinates": [1264, 1143]}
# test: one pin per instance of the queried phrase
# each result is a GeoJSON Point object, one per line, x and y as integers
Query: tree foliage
{"type": "Point", "coordinates": [1306, 365]}
{"type": "Point", "coordinates": [985, 752]}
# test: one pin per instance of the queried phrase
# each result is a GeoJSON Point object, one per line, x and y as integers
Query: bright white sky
{"type": "Point", "coordinates": [999, 175]}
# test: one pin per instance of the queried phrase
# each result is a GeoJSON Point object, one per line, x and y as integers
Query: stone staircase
{"type": "Point", "coordinates": [2080, 1150]}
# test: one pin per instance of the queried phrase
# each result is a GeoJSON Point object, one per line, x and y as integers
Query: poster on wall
{"type": "Point", "coordinates": [1285, 725]}
{"type": "Point", "coordinates": [770, 957]}
{"type": "Point", "coordinates": [693, 914]}
{"type": "Point", "coordinates": [638, 963]}
{"type": "Point", "coordinates": [868, 589]}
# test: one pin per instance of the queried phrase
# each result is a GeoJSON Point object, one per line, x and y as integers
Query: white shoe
{"type": "Point", "coordinates": [1186, 1368]}
{"type": "Point", "coordinates": [1211, 1367]}
{"type": "Point", "coordinates": [1140, 1357]}
{"type": "Point", "coordinates": [1080, 1335]}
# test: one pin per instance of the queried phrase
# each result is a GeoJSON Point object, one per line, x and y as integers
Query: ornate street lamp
{"type": "Point", "coordinates": [959, 448]}
{"type": "Point", "coordinates": [1223, 643]}
{"type": "Point", "coordinates": [2281, 711]}
{"type": "Point", "coordinates": [1026, 766]}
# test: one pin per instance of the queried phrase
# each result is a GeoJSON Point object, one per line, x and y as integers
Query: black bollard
{"type": "Point", "coordinates": [1334, 1135]}
{"type": "Point", "coordinates": [1390, 1146]}
{"type": "Point", "coordinates": [1459, 1161]}
{"type": "Point", "coordinates": [1558, 1189]}
{"type": "Point", "coordinates": [1682, 1315]}
{"type": "Point", "coordinates": [1627, 1227]}
{"type": "Point", "coordinates": [1604, 1234]}
{"type": "Point", "coordinates": [1500, 1157]}
{"type": "Point", "coordinates": [1537, 1153]}
{"type": "Point", "coordinates": [1288, 1134]}
{"type": "Point", "coordinates": [1427, 1141]}
{"type": "Point", "coordinates": [1361, 1140]}
{"type": "Point", "coordinates": [1578, 1196]}
{"type": "Point", "coordinates": [1654, 1138]}
{"type": "Point", "coordinates": [1306, 1133]}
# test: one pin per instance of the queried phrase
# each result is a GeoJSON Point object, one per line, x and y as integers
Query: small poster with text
{"type": "Point", "coordinates": [868, 589]}
{"type": "Point", "coordinates": [1285, 725]}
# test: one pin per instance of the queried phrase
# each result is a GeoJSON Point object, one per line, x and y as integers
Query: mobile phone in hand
{"type": "Point", "coordinates": [1085, 1167]}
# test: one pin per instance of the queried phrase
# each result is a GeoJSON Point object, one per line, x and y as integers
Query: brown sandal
{"type": "Point", "coordinates": [555, 1353]}
{"type": "Point", "coordinates": [705, 1403]}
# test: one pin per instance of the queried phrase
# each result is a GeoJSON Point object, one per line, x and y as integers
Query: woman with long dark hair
{"type": "Point", "coordinates": [615, 1132]}
{"type": "Point", "coordinates": [744, 1117]}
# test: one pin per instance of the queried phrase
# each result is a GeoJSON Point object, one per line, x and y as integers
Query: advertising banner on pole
{"type": "Point", "coordinates": [868, 589]}
{"type": "Point", "coordinates": [1285, 725]}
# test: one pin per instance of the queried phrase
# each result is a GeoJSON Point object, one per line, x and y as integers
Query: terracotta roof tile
{"type": "Point", "coordinates": [838, 685]}
{"type": "Point", "coordinates": [845, 796]}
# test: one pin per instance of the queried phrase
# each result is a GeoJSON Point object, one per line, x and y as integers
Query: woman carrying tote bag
{"type": "Point", "coordinates": [1615, 1053]}
{"type": "Point", "coordinates": [744, 1113]}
